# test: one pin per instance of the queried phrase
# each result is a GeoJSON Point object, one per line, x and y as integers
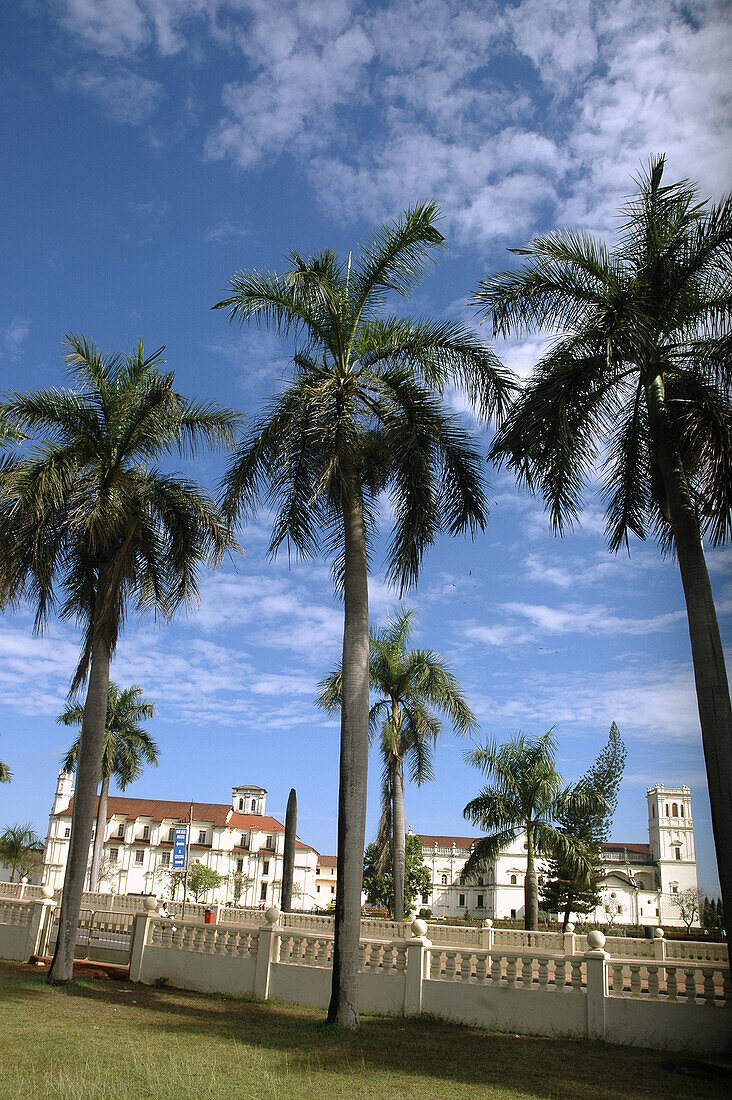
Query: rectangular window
{"type": "Point", "coordinates": [480, 882]}
{"type": "Point", "coordinates": [513, 914]}
{"type": "Point", "coordinates": [67, 832]}
{"type": "Point", "coordinates": [317, 889]}
{"type": "Point", "coordinates": [139, 857]}
{"type": "Point", "coordinates": [202, 836]}
{"type": "Point", "coordinates": [263, 892]}
{"type": "Point", "coordinates": [239, 865]}
{"type": "Point", "coordinates": [171, 833]}
{"type": "Point", "coordinates": [268, 842]}
{"type": "Point", "coordinates": [265, 867]}
{"type": "Point", "coordinates": [317, 870]}
{"type": "Point", "coordinates": [244, 840]}
{"type": "Point", "coordinates": [113, 853]}
{"type": "Point", "coordinates": [332, 889]}
{"type": "Point", "coordinates": [461, 899]}
{"type": "Point", "coordinates": [165, 859]}
{"type": "Point", "coordinates": [120, 830]}
{"type": "Point", "coordinates": [145, 832]}
{"type": "Point", "coordinates": [479, 902]}
{"type": "Point", "coordinates": [674, 890]}
{"type": "Point", "coordinates": [678, 853]}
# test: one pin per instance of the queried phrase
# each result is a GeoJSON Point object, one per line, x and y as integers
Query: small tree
{"type": "Point", "coordinates": [689, 903]}
{"type": "Point", "coordinates": [21, 849]}
{"type": "Point", "coordinates": [201, 879]}
{"type": "Point", "coordinates": [5, 773]}
{"type": "Point", "coordinates": [611, 909]}
{"type": "Point", "coordinates": [379, 885]}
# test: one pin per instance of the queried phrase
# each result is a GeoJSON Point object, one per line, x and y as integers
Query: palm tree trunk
{"type": "Point", "coordinates": [531, 891]}
{"type": "Point", "coordinates": [398, 844]}
{"type": "Point", "coordinates": [354, 758]}
{"type": "Point", "coordinates": [85, 796]}
{"type": "Point", "coordinates": [710, 674]}
{"type": "Point", "coordinates": [101, 827]}
{"type": "Point", "coordinates": [567, 912]}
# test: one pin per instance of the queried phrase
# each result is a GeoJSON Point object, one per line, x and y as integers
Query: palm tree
{"type": "Point", "coordinates": [89, 512]}
{"type": "Point", "coordinates": [20, 848]}
{"type": "Point", "coordinates": [525, 797]}
{"type": "Point", "coordinates": [639, 374]}
{"type": "Point", "coordinates": [408, 682]}
{"type": "Point", "coordinates": [127, 748]}
{"type": "Point", "coordinates": [361, 415]}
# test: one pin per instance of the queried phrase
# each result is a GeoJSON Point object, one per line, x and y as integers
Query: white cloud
{"type": "Point", "coordinates": [15, 335]}
{"type": "Point", "coordinates": [227, 230]}
{"type": "Point", "coordinates": [122, 95]}
{"type": "Point", "coordinates": [652, 704]}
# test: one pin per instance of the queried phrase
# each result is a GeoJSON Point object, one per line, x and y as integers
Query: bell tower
{"type": "Point", "coordinates": [671, 835]}
{"type": "Point", "coordinates": [64, 791]}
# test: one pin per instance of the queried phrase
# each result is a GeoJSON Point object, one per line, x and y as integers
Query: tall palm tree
{"type": "Point", "coordinates": [21, 849]}
{"type": "Point", "coordinates": [639, 376]}
{"type": "Point", "coordinates": [89, 512]}
{"type": "Point", "coordinates": [525, 797]}
{"type": "Point", "coordinates": [408, 682]}
{"type": "Point", "coordinates": [361, 414]}
{"type": "Point", "coordinates": [127, 748]}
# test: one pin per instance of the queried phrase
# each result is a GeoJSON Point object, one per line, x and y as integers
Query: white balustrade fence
{"type": "Point", "coordinates": [654, 1002]}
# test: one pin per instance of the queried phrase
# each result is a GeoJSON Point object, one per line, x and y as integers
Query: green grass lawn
{"type": "Point", "coordinates": [104, 1039]}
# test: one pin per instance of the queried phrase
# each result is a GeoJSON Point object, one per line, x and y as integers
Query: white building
{"type": "Point", "coordinates": [238, 840]}
{"type": "Point", "coordinates": [640, 879]}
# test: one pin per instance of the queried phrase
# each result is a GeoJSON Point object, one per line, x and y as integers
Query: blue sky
{"type": "Point", "coordinates": [154, 147]}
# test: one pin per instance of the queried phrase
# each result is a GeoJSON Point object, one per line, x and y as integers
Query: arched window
{"type": "Point", "coordinates": [674, 809]}
{"type": "Point", "coordinates": [444, 880]}
{"type": "Point", "coordinates": [241, 803]}
{"type": "Point", "coordinates": [682, 809]}
{"type": "Point", "coordinates": [667, 809]}
{"type": "Point", "coordinates": [254, 805]}
{"type": "Point", "coordinates": [513, 880]}
{"type": "Point", "coordinates": [653, 811]}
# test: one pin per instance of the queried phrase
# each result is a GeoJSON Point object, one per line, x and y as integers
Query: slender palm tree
{"type": "Point", "coordinates": [88, 512]}
{"type": "Point", "coordinates": [408, 682]}
{"type": "Point", "coordinates": [362, 414]}
{"type": "Point", "coordinates": [21, 849]}
{"type": "Point", "coordinates": [638, 376]}
{"type": "Point", "coordinates": [127, 748]}
{"type": "Point", "coordinates": [525, 798]}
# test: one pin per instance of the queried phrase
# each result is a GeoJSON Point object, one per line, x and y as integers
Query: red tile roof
{"type": "Point", "coordinates": [614, 846]}
{"type": "Point", "coordinates": [328, 861]}
{"type": "Point", "coordinates": [158, 809]}
{"type": "Point", "coordinates": [463, 842]}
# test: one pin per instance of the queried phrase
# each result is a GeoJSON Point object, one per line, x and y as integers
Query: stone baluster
{"type": "Point", "coordinates": [527, 972]}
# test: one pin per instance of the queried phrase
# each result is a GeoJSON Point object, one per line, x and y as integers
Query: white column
{"type": "Point", "coordinates": [417, 968]}
{"type": "Point", "coordinates": [265, 951]}
{"type": "Point", "coordinates": [595, 961]}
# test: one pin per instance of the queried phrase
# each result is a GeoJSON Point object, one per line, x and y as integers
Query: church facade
{"type": "Point", "coordinates": [238, 840]}
{"type": "Point", "coordinates": [639, 887]}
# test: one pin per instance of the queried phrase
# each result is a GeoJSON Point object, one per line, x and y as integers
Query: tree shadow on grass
{"type": "Point", "coordinates": [405, 1048]}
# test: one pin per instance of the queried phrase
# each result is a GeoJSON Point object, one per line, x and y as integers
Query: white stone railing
{"type": "Point", "coordinates": [672, 981]}
{"type": "Point", "coordinates": [649, 1002]}
{"type": "Point", "coordinates": [15, 914]}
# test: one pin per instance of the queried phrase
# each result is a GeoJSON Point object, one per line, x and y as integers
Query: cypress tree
{"type": "Point", "coordinates": [590, 823]}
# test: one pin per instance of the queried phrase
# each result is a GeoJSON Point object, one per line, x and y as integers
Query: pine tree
{"type": "Point", "coordinates": [588, 821]}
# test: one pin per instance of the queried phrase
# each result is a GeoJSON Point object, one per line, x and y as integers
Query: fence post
{"type": "Point", "coordinates": [139, 937]}
{"type": "Point", "coordinates": [659, 944]}
{"type": "Point", "coordinates": [486, 935]}
{"type": "Point", "coordinates": [570, 944]}
{"type": "Point", "coordinates": [40, 925]}
{"type": "Point", "coordinates": [265, 951]}
{"type": "Point", "coordinates": [417, 968]}
{"type": "Point", "coordinates": [595, 961]}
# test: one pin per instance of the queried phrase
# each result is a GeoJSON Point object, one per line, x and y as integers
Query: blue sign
{"type": "Point", "coordinates": [180, 847]}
